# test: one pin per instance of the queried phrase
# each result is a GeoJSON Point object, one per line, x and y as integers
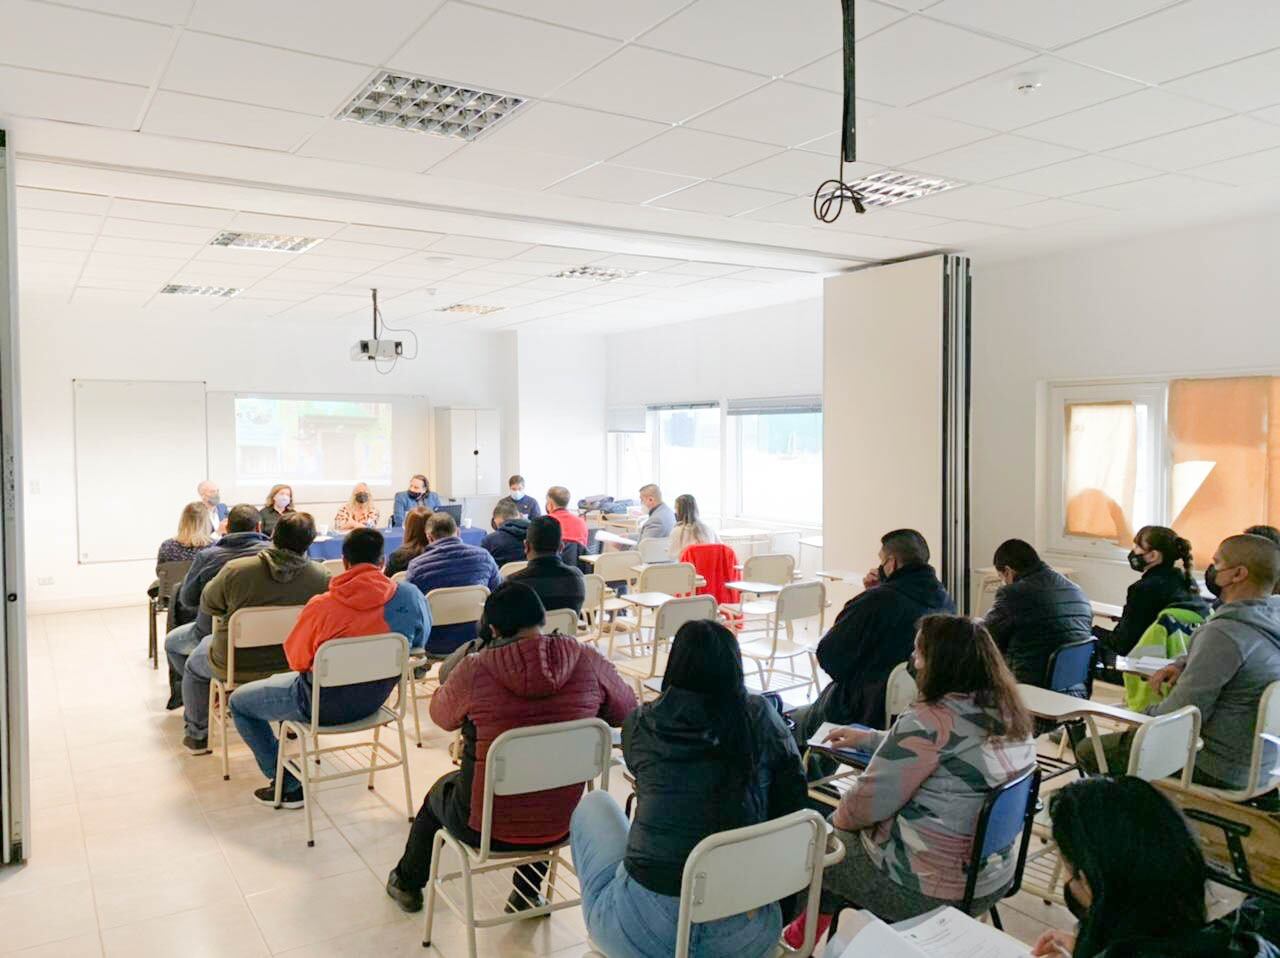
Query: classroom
{"type": "Point", "coordinates": [640, 478]}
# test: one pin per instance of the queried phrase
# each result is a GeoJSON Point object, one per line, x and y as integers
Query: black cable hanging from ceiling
{"type": "Point", "coordinates": [830, 197]}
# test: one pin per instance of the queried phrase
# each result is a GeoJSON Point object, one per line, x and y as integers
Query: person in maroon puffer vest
{"type": "Point", "coordinates": [519, 677]}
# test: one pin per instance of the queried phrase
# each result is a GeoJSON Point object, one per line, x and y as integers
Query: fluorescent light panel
{"type": "Point", "coordinates": [601, 274]}
{"type": "Point", "coordinates": [428, 106]}
{"type": "Point", "coordinates": [177, 289]}
{"type": "Point", "coordinates": [889, 187]}
{"type": "Point", "coordinates": [474, 309]}
{"type": "Point", "coordinates": [272, 242]}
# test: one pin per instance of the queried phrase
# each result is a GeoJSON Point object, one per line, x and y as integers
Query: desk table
{"type": "Point", "coordinates": [834, 575]}
{"type": "Point", "coordinates": [647, 600]}
{"type": "Point", "coordinates": [330, 546]}
{"type": "Point", "coordinates": [698, 580]}
{"type": "Point", "coordinates": [755, 588]}
{"type": "Point", "coordinates": [1057, 707]}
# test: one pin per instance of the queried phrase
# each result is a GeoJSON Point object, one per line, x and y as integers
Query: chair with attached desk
{"type": "Point", "coordinates": [449, 606]}
{"type": "Point", "coordinates": [776, 569]}
{"type": "Point", "coordinates": [509, 569]}
{"type": "Point", "coordinates": [564, 621]}
{"type": "Point", "coordinates": [669, 617]}
{"type": "Point", "coordinates": [333, 566]}
{"type": "Point", "coordinates": [899, 693]}
{"type": "Point", "coordinates": [169, 576]}
{"type": "Point", "coordinates": [615, 567]}
{"type": "Point", "coordinates": [1070, 669]}
{"type": "Point", "coordinates": [592, 616]}
{"type": "Point", "coordinates": [799, 600]}
{"type": "Point", "coordinates": [654, 550]}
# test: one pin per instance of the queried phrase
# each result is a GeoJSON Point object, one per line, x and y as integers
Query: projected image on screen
{"type": "Point", "coordinates": [311, 440]}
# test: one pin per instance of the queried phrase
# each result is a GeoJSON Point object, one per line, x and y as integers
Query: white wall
{"type": "Point", "coordinates": [1198, 301]}
{"type": "Point", "coordinates": [236, 353]}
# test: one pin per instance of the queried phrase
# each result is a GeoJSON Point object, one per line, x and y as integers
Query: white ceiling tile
{"type": "Point", "coordinates": [1271, 115]}
{"type": "Point", "coordinates": [1243, 85]}
{"type": "Point", "coordinates": [994, 102]}
{"type": "Point", "coordinates": [560, 255]}
{"type": "Point", "coordinates": [59, 222]}
{"type": "Point", "coordinates": [620, 184]}
{"type": "Point", "coordinates": [378, 146]}
{"type": "Point", "coordinates": [158, 11]}
{"type": "Point", "coordinates": [158, 232]}
{"type": "Point", "coordinates": [324, 27]}
{"type": "Point", "coordinates": [220, 121]}
{"type": "Point", "coordinates": [87, 294]}
{"type": "Point", "coordinates": [488, 162]}
{"type": "Point", "coordinates": [632, 261]}
{"type": "Point", "coordinates": [694, 153]}
{"type": "Point", "coordinates": [496, 51]}
{"type": "Point", "coordinates": [33, 198]}
{"type": "Point", "coordinates": [47, 37]}
{"type": "Point", "coordinates": [297, 288]}
{"type": "Point", "coordinates": [171, 213]}
{"type": "Point", "coordinates": [783, 113]}
{"type": "Point", "coordinates": [760, 35]}
{"type": "Point", "coordinates": [1042, 23]}
{"type": "Point", "coordinates": [966, 202]}
{"type": "Point", "coordinates": [248, 222]}
{"type": "Point", "coordinates": [386, 236]}
{"type": "Point", "coordinates": [1183, 39]}
{"type": "Point", "coordinates": [128, 264]}
{"type": "Point", "coordinates": [1123, 120]}
{"type": "Point", "coordinates": [1243, 170]}
{"type": "Point", "coordinates": [656, 86]}
{"type": "Point", "coordinates": [360, 252]}
{"type": "Point", "coordinates": [762, 275]}
{"type": "Point", "coordinates": [958, 232]}
{"type": "Point", "coordinates": [340, 266]}
{"type": "Point", "coordinates": [1203, 144]}
{"type": "Point", "coordinates": [137, 247]}
{"type": "Point", "coordinates": [116, 282]}
{"type": "Point", "coordinates": [1041, 213]}
{"type": "Point", "coordinates": [899, 136]}
{"type": "Point", "coordinates": [1075, 176]}
{"type": "Point", "coordinates": [46, 239]}
{"type": "Point", "coordinates": [995, 157]}
{"type": "Point", "coordinates": [570, 131]}
{"type": "Point", "coordinates": [663, 279]}
{"type": "Point", "coordinates": [702, 270]}
{"type": "Point", "coordinates": [828, 72]}
{"type": "Point", "coordinates": [28, 255]}
{"type": "Point", "coordinates": [71, 99]}
{"type": "Point", "coordinates": [795, 172]}
{"type": "Point", "coordinates": [1159, 193]}
{"type": "Point", "coordinates": [893, 222]}
{"type": "Point", "coordinates": [719, 198]}
{"type": "Point", "coordinates": [618, 18]}
{"type": "Point", "coordinates": [235, 70]}
{"type": "Point", "coordinates": [478, 246]}
{"type": "Point", "coordinates": [916, 58]}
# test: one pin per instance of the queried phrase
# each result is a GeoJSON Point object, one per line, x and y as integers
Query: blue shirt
{"type": "Point", "coordinates": [448, 563]}
{"type": "Point", "coordinates": [404, 503]}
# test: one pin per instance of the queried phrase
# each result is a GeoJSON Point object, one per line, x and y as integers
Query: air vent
{"type": "Point", "coordinates": [226, 292]}
{"type": "Point", "coordinates": [474, 309]}
{"type": "Point", "coordinates": [888, 187]}
{"type": "Point", "coordinates": [272, 242]}
{"type": "Point", "coordinates": [600, 274]}
{"type": "Point", "coordinates": [428, 106]}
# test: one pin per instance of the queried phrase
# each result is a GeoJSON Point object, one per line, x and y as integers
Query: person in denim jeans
{"type": "Point", "coordinates": [707, 757]}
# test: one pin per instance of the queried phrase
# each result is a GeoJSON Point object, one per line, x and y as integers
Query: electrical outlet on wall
{"type": "Point", "coordinates": [44, 580]}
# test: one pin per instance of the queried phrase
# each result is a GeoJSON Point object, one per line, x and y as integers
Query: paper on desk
{"type": "Point", "coordinates": [948, 933]}
{"type": "Point", "coordinates": [859, 755]}
{"type": "Point", "coordinates": [603, 536]}
{"type": "Point", "coordinates": [878, 940]}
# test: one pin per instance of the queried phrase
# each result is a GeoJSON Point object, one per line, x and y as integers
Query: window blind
{"type": "Point", "coordinates": [625, 419]}
{"type": "Point", "coordinates": [776, 405]}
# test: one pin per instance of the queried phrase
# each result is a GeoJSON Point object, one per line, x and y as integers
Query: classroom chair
{"type": "Point", "coordinates": [654, 550]}
{"type": "Point", "coordinates": [670, 616]}
{"type": "Point", "coordinates": [449, 606]}
{"type": "Point", "coordinates": [1264, 763]}
{"type": "Point", "coordinates": [520, 761]}
{"type": "Point", "coordinates": [775, 569]}
{"type": "Point", "coordinates": [508, 569]}
{"type": "Point", "coordinates": [1070, 669]}
{"type": "Point", "coordinates": [169, 576]}
{"type": "Point", "coordinates": [899, 693]}
{"type": "Point", "coordinates": [564, 621]}
{"type": "Point", "coordinates": [594, 591]}
{"type": "Point", "coordinates": [799, 600]}
{"type": "Point", "coordinates": [333, 566]}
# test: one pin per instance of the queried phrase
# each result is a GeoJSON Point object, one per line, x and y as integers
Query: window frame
{"type": "Point", "coordinates": [734, 454]}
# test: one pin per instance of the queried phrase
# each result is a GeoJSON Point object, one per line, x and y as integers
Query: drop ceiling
{"type": "Point", "coordinates": [687, 135]}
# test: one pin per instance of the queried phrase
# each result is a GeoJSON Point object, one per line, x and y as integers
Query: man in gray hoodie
{"type": "Point", "coordinates": [1234, 656]}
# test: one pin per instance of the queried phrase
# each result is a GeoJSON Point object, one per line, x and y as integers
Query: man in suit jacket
{"type": "Point", "coordinates": [419, 494]}
{"type": "Point", "coordinates": [209, 495]}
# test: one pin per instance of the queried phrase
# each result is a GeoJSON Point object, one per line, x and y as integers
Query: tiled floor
{"type": "Point", "coordinates": [139, 849]}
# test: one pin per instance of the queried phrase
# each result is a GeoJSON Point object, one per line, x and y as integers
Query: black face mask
{"type": "Point", "coordinates": [884, 576]}
{"type": "Point", "coordinates": [1136, 562]}
{"type": "Point", "coordinates": [416, 495]}
{"type": "Point", "coordinates": [1073, 903]}
{"type": "Point", "coordinates": [1211, 581]}
{"type": "Point", "coordinates": [362, 497]}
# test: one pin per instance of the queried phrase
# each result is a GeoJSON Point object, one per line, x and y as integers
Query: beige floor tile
{"type": "Point", "coordinates": [81, 946]}
{"type": "Point", "coordinates": [214, 931]}
{"type": "Point", "coordinates": [46, 915]}
{"type": "Point", "coordinates": [156, 805]}
{"type": "Point", "coordinates": [400, 939]}
{"type": "Point", "coordinates": [270, 858]}
{"type": "Point", "coordinates": [302, 913]}
{"type": "Point", "coordinates": [56, 854]}
{"type": "Point", "coordinates": [122, 851]}
{"type": "Point", "coordinates": [187, 883]}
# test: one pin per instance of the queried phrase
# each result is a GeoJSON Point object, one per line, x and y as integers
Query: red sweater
{"type": "Point", "coordinates": [573, 528]}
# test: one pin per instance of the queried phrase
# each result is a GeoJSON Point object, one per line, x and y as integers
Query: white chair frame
{"type": "Point", "coordinates": [511, 568]}
{"type": "Point", "coordinates": [449, 606]}
{"type": "Point", "coordinates": [654, 550]}
{"type": "Point", "coordinates": [667, 621]}
{"type": "Point", "coordinates": [752, 611]}
{"type": "Point", "coordinates": [899, 693]}
{"type": "Point", "coordinates": [520, 761]}
{"type": "Point", "coordinates": [799, 600]}
{"type": "Point", "coordinates": [564, 621]}
{"type": "Point", "coordinates": [1266, 731]}
{"type": "Point", "coordinates": [592, 608]}
{"type": "Point", "coordinates": [333, 566]}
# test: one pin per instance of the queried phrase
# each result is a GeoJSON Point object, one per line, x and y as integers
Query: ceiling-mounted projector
{"type": "Point", "coordinates": [375, 349]}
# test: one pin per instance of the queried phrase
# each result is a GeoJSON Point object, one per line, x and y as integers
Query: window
{"type": "Point", "coordinates": [778, 465]}
{"type": "Point", "coordinates": [630, 463]}
{"type": "Point", "coordinates": [689, 454]}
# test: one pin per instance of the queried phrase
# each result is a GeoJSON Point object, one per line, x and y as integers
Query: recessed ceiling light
{"type": "Point", "coordinates": [428, 106]}
{"type": "Point", "coordinates": [889, 187]}
{"type": "Point", "coordinates": [226, 292]}
{"type": "Point", "coordinates": [601, 274]}
{"type": "Point", "coordinates": [475, 309]}
{"type": "Point", "coordinates": [273, 242]}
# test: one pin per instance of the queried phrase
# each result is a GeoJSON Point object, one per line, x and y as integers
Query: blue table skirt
{"type": "Point", "coordinates": [331, 548]}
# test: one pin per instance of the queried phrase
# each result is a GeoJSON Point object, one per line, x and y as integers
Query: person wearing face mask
{"type": "Point", "coordinates": [212, 499]}
{"type": "Point", "coordinates": [526, 505]}
{"type": "Point", "coordinates": [1234, 657]}
{"type": "Point", "coordinates": [359, 512]}
{"type": "Point", "coordinates": [1267, 532]}
{"type": "Point", "coordinates": [1136, 879]}
{"type": "Point", "coordinates": [873, 633]}
{"type": "Point", "coordinates": [279, 502]}
{"type": "Point", "coordinates": [419, 494]}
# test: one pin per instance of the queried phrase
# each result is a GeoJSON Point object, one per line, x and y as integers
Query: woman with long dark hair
{"type": "Point", "coordinates": [908, 821]}
{"type": "Point", "coordinates": [415, 541]}
{"type": "Point", "coordinates": [1164, 559]}
{"type": "Point", "coordinates": [707, 756]}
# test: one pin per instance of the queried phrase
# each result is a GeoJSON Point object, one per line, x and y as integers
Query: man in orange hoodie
{"type": "Point", "coordinates": [360, 601]}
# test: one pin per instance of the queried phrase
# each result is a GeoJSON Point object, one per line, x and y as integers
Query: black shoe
{"type": "Point", "coordinates": [197, 746]}
{"type": "Point", "coordinates": [289, 797]}
{"type": "Point", "coordinates": [175, 701]}
{"type": "Point", "coordinates": [518, 902]}
{"type": "Point", "coordinates": [409, 899]}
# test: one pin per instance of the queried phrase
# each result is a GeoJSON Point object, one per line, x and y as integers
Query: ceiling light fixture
{"type": "Point", "coordinates": [177, 289]}
{"type": "Point", "coordinates": [474, 309]}
{"type": "Point", "coordinates": [601, 274]}
{"type": "Point", "coordinates": [272, 242]}
{"type": "Point", "coordinates": [428, 106]}
{"type": "Point", "coordinates": [889, 187]}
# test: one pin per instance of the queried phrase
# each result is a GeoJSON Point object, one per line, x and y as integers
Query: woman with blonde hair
{"type": "Point", "coordinates": [279, 501]}
{"type": "Point", "coordinates": [193, 535]}
{"type": "Point", "coordinates": [359, 511]}
{"type": "Point", "coordinates": [689, 530]}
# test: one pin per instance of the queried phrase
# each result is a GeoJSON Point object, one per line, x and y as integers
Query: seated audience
{"type": "Point", "coordinates": [558, 585]}
{"type": "Point", "coordinates": [661, 519]}
{"type": "Point", "coordinates": [707, 756]}
{"type": "Point", "coordinates": [360, 601]}
{"type": "Point", "coordinates": [415, 540]}
{"type": "Point", "coordinates": [1035, 611]}
{"type": "Point", "coordinates": [506, 542]}
{"type": "Point", "coordinates": [908, 822]}
{"type": "Point", "coordinates": [1156, 552]}
{"type": "Point", "coordinates": [689, 529]}
{"type": "Point", "coordinates": [1267, 532]}
{"type": "Point", "coordinates": [242, 538]}
{"type": "Point", "coordinates": [1135, 879]}
{"type": "Point", "coordinates": [419, 494]}
{"type": "Point", "coordinates": [573, 527]}
{"type": "Point", "coordinates": [192, 536]}
{"type": "Point", "coordinates": [526, 504]}
{"type": "Point", "coordinates": [279, 575]}
{"type": "Point", "coordinates": [450, 562]}
{"type": "Point", "coordinates": [873, 633]}
{"type": "Point", "coordinates": [358, 512]}
{"type": "Point", "coordinates": [520, 677]}
{"type": "Point", "coordinates": [279, 503]}
{"type": "Point", "coordinates": [209, 495]}
{"type": "Point", "coordinates": [1234, 657]}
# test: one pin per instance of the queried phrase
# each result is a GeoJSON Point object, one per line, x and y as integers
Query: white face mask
{"type": "Point", "coordinates": [281, 501]}
{"type": "Point", "coordinates": [517, 494]}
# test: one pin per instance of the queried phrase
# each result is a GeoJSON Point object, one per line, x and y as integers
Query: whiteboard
{"type": "Point", "coordinates": [140, 451]}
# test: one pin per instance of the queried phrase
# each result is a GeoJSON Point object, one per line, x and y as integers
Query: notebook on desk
{"type": "Point", "coordinates": [942, 933]}
{"type": "Point", "coordinates": [850, 756]}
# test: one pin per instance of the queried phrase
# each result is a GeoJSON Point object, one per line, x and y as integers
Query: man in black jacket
{"type": "Point", "coordinates": [874, 632]}
{"type": "Point", "coordinates": [559, 585]}
{"type": "Point", "coordinates": [506, 542]}
{"type": "Point", "coordinates": [1036, 611]}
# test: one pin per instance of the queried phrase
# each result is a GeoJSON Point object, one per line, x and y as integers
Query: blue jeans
{"type": "Point", "coordinates": [255, 705]}
{"type": "Point", "coordinates": [195, 689]}
{"type": "Point", "coordinates": [179, 644]}
{"type": "Point", "coordinates": [627, 920]}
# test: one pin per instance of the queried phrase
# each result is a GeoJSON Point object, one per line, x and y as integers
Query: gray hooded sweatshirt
{"type": "Point", "coordinates": [1234, 656]}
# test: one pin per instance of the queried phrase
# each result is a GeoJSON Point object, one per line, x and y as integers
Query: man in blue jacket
{"type": "Point", "coordinates": [209, 495]}
{"type": "Point", "coordinates": [450, 562]}
{"type": "Point", "coordinates": [419, 494]}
